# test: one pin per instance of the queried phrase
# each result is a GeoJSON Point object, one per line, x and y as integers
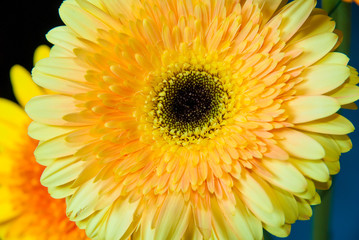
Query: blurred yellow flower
{"type": "Point", "coordinates": [27, 211]}
{"type": "Point", "coordinates": [350, 1]}
{"type": "Point", "coordinates": [191, 119]}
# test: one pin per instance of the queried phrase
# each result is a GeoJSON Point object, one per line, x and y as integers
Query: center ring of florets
{"type": "Point", "coordinates": [189, 105]}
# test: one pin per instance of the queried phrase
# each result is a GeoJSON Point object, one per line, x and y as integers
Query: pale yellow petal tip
{"type": "Point", "coordinates": [41, 52]}
{"type": "Point", "coordinates": [316, 200]}
{"type": "Point", "coordinates": [23, 86]}
{"type": "Point", "coordinates": [282, 231]}
{"type": "Point", "coordinates": [353, 78]}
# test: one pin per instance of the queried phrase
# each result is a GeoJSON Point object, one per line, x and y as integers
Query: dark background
{"type": "Point", "coordinates": [23, 27]}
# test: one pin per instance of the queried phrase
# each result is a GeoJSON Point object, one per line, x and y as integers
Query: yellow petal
{"type": "Point", "coordinates": [343, 142]}
{"type": "Point", "coordinates": [334, 167]}
{"type": "Point", "coordinates": [120, 8]}
{"type": "Point", "coordinates": [308, 108]}
{"type": "Point", "coordinates": [315, 24]}
{"type": "Point", "coordinates": [57, 84]}
{"type": "Point", "coordinates": [288, 203]}
{"type": "Point", "coordinates": [354, 78]}
{"type": "Point", "coordinates": [80, 21]}
{"type": "Point", "coordinates": [240, 221]}
{"type": "Point", "coordinates": [41, 52]}
{"type": "Point", "coordinates": [305, 211]}
{"type": "Point", "coordinates": [276, 217]}
{"type": "Point", "coordinates": [293, 16]}
{"type": "Point", "coordinates": [66, 68]}
{"type": "Point", "coordinates": [310, 192]}
{"type": "Point", "coordinates": [62, 191]}
{"type": "Point", "coordinates": [334, 58]}
{"type": "Point", "coordinates": [282, 231]}
{"type": "Point", "coordinates": [254, 224]}
{"type": "Point", "coordinates": [95, 224]}
{"type": "Point", "coordinates": [335, 124]}
{"type": "Point", "coordinates": [268, 8]}
{"type": "Point", "coordinates": [255, 191]}
{"type": "Point", "coordinates": [319, 79]}
{"type": "Point", "coordinates": [314, 48]}
{"type": "Point", "coordinates": [86, 172]}
{"type": "Point", "coordinates": [61, 171]}
{"type": "Point", "coordinates": [61, 74]}
{"type": "Point", "coordinates": [97, 11]}
{"type": "Point", "coordinates": [284, 175]}
{"type": "Point", "coordinates": [23, 86]}
{"type": "Point", "coordinates": [121, 218]}
{"type": "Point", "coordinates": [331, 148]}
{"type": "Point", "coordinates": [323, 185]}
{"type": "Point", "coordinates": [45, 132]}
{"type": "Point", "coordinates": [316, 170]}
{"type": "Point", "coordinates": [192, 232]}
{"type": "Point", "coordinates": [60, 52]}
{"type": "Point", "coordinates": [202, 218]}
{"type": "Point", "coordinates": [55, 148]}
{"type": "Point", "coordinates": [147, 232]}
{"type": "Point", "coordinates": [173, 218]}
{"type": "Point", "coordinates": [299, 144]}
{"type": "Point", "coordinates": [63, 38]}
{"type": "Point", "coordinates": [315, 200]}
{"type": "Point", "coordinates": [222, 229]}
{"type": "Point", "coordinates": [82, 203]}
{"type": "Point", "coordinates": [50, 109]}
{"type": "Point", "coordinates": [347, 93]}
{"type": "Point", "coordinates": [268, 211]}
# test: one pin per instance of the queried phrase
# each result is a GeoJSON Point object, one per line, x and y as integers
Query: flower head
{"type": "Point", "coordinates": [191, 119]}
{"type": "Point", "coordinates": [26, 209]}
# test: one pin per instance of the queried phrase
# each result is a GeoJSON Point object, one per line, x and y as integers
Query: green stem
{"type": "Point", "coordinates": [266, 235]}
{"type": "Point", "coordinates": [341, 13]}
{"type": "Point", "coordinates": [322, 214]}
{"type": "Point", "coordinates": [330, 5]}
{"type": "Point", "coordinates": [335, 7]}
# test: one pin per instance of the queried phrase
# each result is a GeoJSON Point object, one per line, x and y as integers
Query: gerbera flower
{"type": "Point", "coordinates": [26, 209]}
{"type": "Point", "coordinates": [191, 119]}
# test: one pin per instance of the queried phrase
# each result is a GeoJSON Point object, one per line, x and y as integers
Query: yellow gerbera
{"type": "Point", "coordinates": [191, 119]}
{"type": "Point", "coordinates": [27, 211]}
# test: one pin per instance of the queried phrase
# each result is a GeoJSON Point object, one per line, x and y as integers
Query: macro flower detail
{"type": "Point", "coordinates": [26, 209]}
{"type": "Point", "coordinates": [191, 119]}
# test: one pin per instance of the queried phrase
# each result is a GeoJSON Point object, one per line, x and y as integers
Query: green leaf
{"type": "Point", "coordinates": [341, 12]}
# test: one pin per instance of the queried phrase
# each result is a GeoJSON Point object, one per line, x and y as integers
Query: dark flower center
{"type": "Point", "coordinates": [189, 102]}
{"type": "Point", "coordinates": [191, 99]}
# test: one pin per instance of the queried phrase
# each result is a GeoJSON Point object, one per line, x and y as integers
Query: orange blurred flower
{"type": "Point", "coordinates": [27, 211]}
